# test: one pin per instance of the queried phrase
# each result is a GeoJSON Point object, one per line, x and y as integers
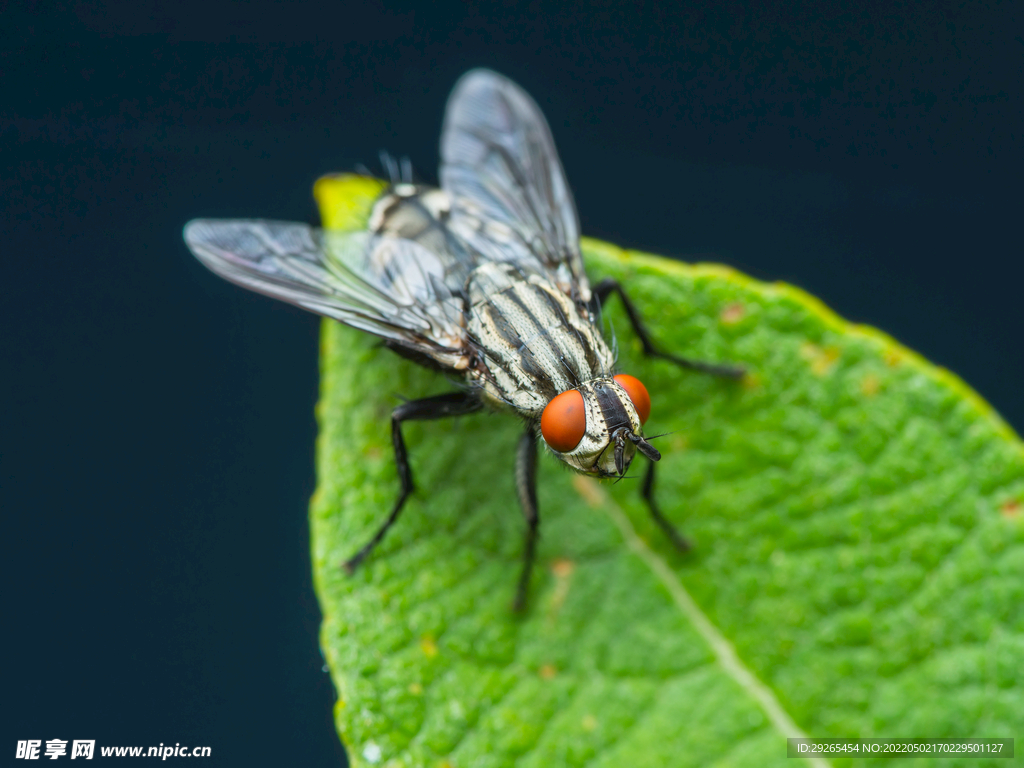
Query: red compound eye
{"type": "Point", "coordinates": [637, 393]}
{"type": "Point", "coordinates": [564, 421]}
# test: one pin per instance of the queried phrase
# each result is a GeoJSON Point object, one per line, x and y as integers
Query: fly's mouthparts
{"type": "Point", "coordinates": [620, 447]}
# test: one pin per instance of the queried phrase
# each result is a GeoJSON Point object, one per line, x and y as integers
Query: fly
{"type": "Point", "coordinates": [482, 277]}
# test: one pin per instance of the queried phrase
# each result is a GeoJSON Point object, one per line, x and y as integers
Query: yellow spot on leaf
{"type": "Point", "coordinates": [589, 722]}
{"type": "Point", "coordinates": [429, 646]}
{"type": "Point", "coordinates": [870, 385]}
{"type": "Point", "coordinates": [733, 313]}
{"type": "Point", "coordinates": [822, 359]}
{"type": "Point", "coordinates": [548, 671]}
{"type": "Point", "coordinates": [562, 567]}
{"type": "Point", "coordinates": [1010, 509]}
{"type": "Point", "coordinates": [415, 689]}
{"type": "Point", "coordinates": [678, 442]}
{"type": "Point", "coordinates": [750, 381]}
{"type": "Point", "coordinates": [892, 357]}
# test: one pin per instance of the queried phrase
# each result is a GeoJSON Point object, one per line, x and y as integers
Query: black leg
{"type": "Point", "coordinates": [437, 407]}
{"type": "Point", "coordinates": [526, 489]}
{"type": "Point", "coordinates": [648, 493]}
{"type": "Point", "coordinates": [603, 289]}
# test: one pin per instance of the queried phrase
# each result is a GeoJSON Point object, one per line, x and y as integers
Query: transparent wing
{"type": "Point", "coordinates": [510, 199]}
{"type": "Point", "coordinates": [389, 286]}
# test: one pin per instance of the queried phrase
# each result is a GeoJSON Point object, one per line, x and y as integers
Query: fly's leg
{"type": "Point", "coordinates": [437, 407]}
{"type": "Point", "coordinates": [526, 489]}
{"type": "Point", "coordinates": [604, 288]}
{"type": "Point", "coordinates": [670, 530]}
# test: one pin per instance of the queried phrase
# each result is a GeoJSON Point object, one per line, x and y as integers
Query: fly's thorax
{"type": "Point", "coordinates": [417, 213]}
{"type": "Point", "coordinates": [405, 210]}
{"type": "Point", "coordinates": [533, 342]}
{"type": "Point", "coordinates": [608, 410]}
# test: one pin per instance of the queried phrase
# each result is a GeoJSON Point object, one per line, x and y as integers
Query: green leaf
{"type": "Point", "coordinates": [858, 567]}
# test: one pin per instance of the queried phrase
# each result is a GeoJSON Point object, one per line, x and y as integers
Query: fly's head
{"type": "Point", "coordinates": [597, 428]}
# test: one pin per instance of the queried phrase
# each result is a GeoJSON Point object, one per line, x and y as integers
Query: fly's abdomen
{"type": "Point", "coordinates": [533, 340]}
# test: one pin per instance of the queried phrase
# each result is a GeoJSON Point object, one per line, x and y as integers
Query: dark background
{"type": "Point", "coordinates": [157, 423]}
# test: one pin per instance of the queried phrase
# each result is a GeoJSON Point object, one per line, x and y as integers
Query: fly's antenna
{"type": "Point", "coordinates": [643, 446]}
{"type": "Point", "coordinates": [406, 170]}
{"type": "Point", "coordinates": [648, 450]}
